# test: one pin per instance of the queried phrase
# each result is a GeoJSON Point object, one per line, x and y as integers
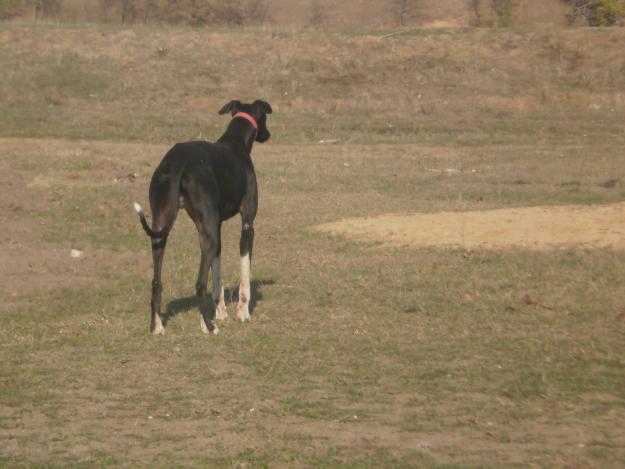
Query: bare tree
{"type": "Point", "coordinates": [475, 7]}
{"type": "Point", "coordinates": [177, 11]}
{"type": "Point", "coordinates": [316, 15]}
{"type": "Point", "coordinates": [124, 7]}
{"type": "Point", "coordinates": [257, 11]}
{"type": "Point", "coordinates": [228, 12]}
{"type": "Point", "coordinates": [150, 10]}
{"type": "Point", "coordinates": [45, 8]}
{"type": "Point", "coordinates": [504, 11]}
{"type": "Point", "coordinates": [404, 9]}
{"type": "Point", "coordinates": [597, 12]}
{"type": "Point", "coordinates": [128, 10]}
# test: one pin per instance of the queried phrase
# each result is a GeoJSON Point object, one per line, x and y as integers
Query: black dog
{"type": "Point", "coordinates": [213, 182]}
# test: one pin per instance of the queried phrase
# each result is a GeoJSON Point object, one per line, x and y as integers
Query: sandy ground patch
{"type": "Point", "coordinates": [536, 228]}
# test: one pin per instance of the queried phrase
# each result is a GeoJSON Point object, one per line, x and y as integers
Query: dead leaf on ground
{"type": "Point", "coordinates": [528, 300]}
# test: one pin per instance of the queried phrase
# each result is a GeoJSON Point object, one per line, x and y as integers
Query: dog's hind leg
{"type": "Point", "coordinates": [200, 195]}
{"type": "Point", "coordinates": [158, 252]}
{"type": "Point", "coordinates": [164, 205]}
{"type": "Point", "coordinates": [209, 245]}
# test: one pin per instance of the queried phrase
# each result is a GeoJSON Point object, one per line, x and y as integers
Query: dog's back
{"type": "Point", "coordinates": [220, 169]}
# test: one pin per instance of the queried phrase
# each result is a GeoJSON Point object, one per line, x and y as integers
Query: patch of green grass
{"type": "Point", "coordinates": [609, 183]}
{"type": "Point", "coordinates": [321, 409]}
{"type": "Point", "coordinates": [85, 218]}
{"type": "Point", "coordinates": [333, 457]}
{"type": "Point", "coordinates": [70, 76]}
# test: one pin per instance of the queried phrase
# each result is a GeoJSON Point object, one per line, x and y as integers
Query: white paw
{"type": "Point", "coordinates": [206, 329]}
{"type": "Point", "coordinates": [158, 329]}
{"type": "Point", "coordinates": [243, 313]}
{"type": "Point", "coordinates": [220, 312]}
{"type": "Point", "coordinates": [203, 326]}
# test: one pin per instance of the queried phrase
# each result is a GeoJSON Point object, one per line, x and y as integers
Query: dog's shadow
{"type": "Point", "coordinates": [181, 305]}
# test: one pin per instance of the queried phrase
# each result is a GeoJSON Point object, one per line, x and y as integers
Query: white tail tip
{"type": "Point", "coordinates": [138, 208]}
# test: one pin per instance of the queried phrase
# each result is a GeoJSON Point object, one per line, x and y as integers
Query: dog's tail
{"type": "Point", "coordinates": [166, 180]}
{"type": "Point", "coordinates": [151, 233]}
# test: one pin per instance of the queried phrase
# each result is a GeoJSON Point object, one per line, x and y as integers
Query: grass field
{"type": "Point", "coordinates": [358, 354]}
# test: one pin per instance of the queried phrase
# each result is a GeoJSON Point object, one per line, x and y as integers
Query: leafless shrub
{"type": "Point", "coordinates": [404, 9]}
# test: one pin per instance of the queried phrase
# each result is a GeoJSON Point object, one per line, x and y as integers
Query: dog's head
{"type": "Point", "coordinates": [258, 110]}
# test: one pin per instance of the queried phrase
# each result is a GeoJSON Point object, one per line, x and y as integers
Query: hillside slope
{"type": "Point", "coordinates": [471, 86]}
{"type": "Point", "coordinates": [429, 13]}
{"type": "Point", "coordinates": [355, 14]}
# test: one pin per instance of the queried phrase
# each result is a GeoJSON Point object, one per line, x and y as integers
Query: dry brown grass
{"type": "Point", "coordinates": [358, 355]}
{"type": "Point", "coordinates": [358, 14]}
{"type": "Point", "coordinates": [473, 87]}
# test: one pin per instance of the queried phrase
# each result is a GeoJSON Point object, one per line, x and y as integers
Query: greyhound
{"type": "Point", "coordinates": [212, 182]}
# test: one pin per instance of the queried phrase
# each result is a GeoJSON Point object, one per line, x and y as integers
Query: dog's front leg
{"type": "Point", "coordinates": [246, 244]}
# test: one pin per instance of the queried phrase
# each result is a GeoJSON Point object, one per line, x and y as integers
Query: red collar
{"type": "Point", "coordinates": [248, 118]}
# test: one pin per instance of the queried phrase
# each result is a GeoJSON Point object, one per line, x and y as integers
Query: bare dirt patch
{"type": "Point", "coordinates": [536, 228]}
{"type": "Point", "coordinates": [45, 181]}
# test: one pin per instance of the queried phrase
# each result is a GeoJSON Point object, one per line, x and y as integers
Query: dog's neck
{"type": "Point", "coordinates": [243, 127]}
{"type": "Point", "coordinates": [248, 118]}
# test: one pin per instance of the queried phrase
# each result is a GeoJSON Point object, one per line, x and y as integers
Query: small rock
{"type": "Point", "coordinates": [528, 300]}
{"type": "Point", "coordinates": [75, 253]}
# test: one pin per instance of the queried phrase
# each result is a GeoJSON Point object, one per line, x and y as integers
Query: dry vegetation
{"type": "Point", "coordinates": [355, 14]}
{"type": "Point", "coordinates": [359, 355]}
{"type": "Point", "coordinates": [471, 87]}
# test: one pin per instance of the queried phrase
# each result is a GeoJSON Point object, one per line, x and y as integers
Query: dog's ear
{"type": "Point", "coordinates": [263, 106]}
{"type": "Point", "coordinates": [231, 107]}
